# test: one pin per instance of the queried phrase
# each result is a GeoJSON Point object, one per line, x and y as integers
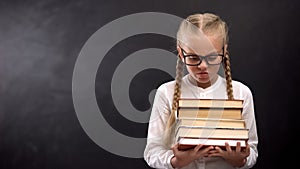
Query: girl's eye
{"type": "Point", "coordinates": [212, 57]}
{"type": "Point", "coordinates": [193, 58]}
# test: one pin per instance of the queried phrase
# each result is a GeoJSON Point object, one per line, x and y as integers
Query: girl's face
{"type": "Point", "coordinates": [204, 74]}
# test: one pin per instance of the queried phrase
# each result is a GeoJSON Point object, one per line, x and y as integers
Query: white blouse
{"type": "Point", "coordinates": [158, 155]}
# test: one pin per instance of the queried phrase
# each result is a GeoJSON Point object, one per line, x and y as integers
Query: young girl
{"type": "Point", "coordinates": [202, 41]}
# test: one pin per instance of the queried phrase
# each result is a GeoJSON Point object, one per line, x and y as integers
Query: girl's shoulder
{"type": "Point", "coordinates": [171, 84]}
{"type": "Point", "coordinates": [241, 86]}
{"type": "Point", "coordinates": [166, 87]}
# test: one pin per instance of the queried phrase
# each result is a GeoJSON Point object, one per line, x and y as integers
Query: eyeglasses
{"type": "Point", "coordinates": [195, 60]}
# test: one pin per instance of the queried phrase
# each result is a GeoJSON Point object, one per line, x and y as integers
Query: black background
{"type": "Point", "coordinates": [41, 40]}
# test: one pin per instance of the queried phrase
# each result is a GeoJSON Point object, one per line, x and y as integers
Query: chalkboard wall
{"type": "Point", "coordinates": [41, 41]}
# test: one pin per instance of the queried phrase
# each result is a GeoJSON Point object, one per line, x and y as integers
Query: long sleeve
{"type": "Point", "coordinates": [249, 116]}
{"type": "Point", "coordinates": [156, 154]}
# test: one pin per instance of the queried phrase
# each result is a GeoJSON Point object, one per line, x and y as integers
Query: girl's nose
{"type": "Point", "coordinates": [203, 64]}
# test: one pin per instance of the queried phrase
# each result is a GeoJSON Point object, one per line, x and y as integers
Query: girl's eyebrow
{"type": "Point", "coordinates": [189, 53]}
{"type": "Point", "coordinates": [216, 51]}
{"type": "Point", "coordinates": [212, 52]}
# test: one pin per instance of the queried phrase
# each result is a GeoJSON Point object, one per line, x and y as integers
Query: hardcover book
{"type": "Point", "coordinates": [210, 122]}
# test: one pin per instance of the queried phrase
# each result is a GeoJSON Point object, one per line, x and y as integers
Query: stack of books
{"type": "Point", "coordinates": [210, 122]}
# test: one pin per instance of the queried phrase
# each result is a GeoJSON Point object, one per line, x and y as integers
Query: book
{"type": "Point", "coordinates": [221, 113]}
{"type": "Point", "coordinates": [210, 103]}
{"type": "Point", "coordinates": [188, 143]}
{"type": "Point", "coordinates": [211, 132]}
{"type": "Point", "coordinates": [211, 122]}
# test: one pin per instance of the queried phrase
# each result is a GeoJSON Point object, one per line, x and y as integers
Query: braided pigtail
{"type": "Point", "coordinates": [228, 76]}
{"type": "Point", "coordinates": [177, 93]}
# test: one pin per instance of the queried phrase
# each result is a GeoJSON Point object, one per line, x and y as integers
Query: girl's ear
{"type": "Point", "coordinates": [179, 53]}
{"type": "Point", "coordinates": [225, 48]}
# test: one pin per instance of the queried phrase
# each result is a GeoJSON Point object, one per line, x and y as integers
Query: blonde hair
{"type": "Point", "coordinates": [209, 24]}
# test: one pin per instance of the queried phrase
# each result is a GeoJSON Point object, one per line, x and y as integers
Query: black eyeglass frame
{"type": "Point", "coordinates": [202, 57]}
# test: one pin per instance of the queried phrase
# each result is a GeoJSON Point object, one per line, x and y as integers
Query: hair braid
{"type": "Point", "coordinates": [228, 77]}
{"type": "Point", "coordinates": [177, 91]}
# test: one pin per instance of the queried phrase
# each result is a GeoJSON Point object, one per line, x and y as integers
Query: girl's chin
{"type": "Point", "coordinates": [203, 76]}
{"type": "Point", "coordinates": [203, 79]}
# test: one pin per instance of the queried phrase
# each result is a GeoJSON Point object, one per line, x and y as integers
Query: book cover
{"type": "Point", "coordinates": [210, 103]}
{"type": "Point", "coordinates": [188, 143]}
{"type": "Point", "coordinates": [211, 132]}
{"type": "Point", "coordinates": [212, 122]}
{"type": "Point", "coordinates": [224, 113]}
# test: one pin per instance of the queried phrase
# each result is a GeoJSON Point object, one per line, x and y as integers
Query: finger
{"type": "Point", "coordinates": [228, 148]}
{"type": "Point", "coordinates": [238, 147]}
{"type": "Point", "coordinates": [247, 150]}
{"type": "Point", "coordinates": [213, 151]}
{"type": "Point", "coordinates": [175, 148]}
{"type": "Point", "coordinates": [208, 149]}
{"type": "Point", "coordinates": [203, 151]}
{"type": "Point", "coordinates": [205, 155]}
{"type": "Point", "coordinates": [218, 149]}
{"type": "Point", "coordinates": [216, 154]}
{"type": "Point", "coordinates": [197, 148]}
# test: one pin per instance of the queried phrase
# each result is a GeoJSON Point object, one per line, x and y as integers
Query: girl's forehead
{"type": "Point", "coordinates": [201, 45]}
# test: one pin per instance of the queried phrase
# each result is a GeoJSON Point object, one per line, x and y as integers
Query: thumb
{"type": "Point", "coordinates": [175, 148]}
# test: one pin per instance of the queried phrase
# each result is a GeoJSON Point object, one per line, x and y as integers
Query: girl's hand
{"type": "Point", "coordinates": [183, 158]}
{"type": "Point", "coordinates": [236, 158]}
